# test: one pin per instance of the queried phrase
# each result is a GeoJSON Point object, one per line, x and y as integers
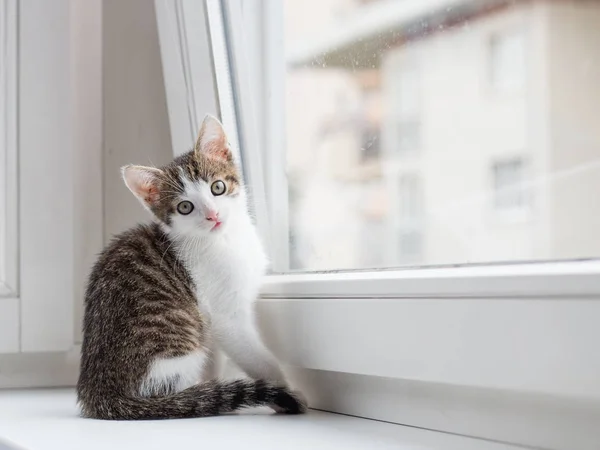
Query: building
{"type": "Point", "coordinates": [444, 131]}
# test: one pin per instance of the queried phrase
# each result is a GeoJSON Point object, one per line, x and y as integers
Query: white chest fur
{"type": "Point", "coordinates": [228, 270]}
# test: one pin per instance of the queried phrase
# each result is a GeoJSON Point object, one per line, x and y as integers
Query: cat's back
{"type": "Point", "coordinates": [136, 279]}
{"type": "Point", "coordinates": [129, 255]}
{"type": "Point", "coordinates": [140, 304]}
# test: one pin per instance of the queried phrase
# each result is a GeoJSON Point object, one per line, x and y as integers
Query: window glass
{"type": "Point", "coordinates": [510, 189]}
{"type": "Point", "coordinates": [410, 228]}
{"type": "Point", "coordinates": [412, 127]}
{"type": "Point", "coordinates": [507, 52]}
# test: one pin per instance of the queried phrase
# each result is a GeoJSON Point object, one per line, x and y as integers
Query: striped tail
{"type": "Point", "coordinates": [210, 398]}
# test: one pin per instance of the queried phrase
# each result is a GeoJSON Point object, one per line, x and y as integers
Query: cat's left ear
{"type": "Point", "coordinates": [212, 140]}
{"type": "Point", "coordinates": [143, 182]}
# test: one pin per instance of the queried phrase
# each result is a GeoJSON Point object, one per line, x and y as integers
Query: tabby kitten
{"type": "Point", "coordinates": [164, 298]}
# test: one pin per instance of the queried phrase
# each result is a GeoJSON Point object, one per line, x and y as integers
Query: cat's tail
{"type": "Point", "coordinates": [210, 398]}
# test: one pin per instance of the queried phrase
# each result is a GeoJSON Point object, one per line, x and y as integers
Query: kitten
{"type": "Point", "coordinates": [163, 298]}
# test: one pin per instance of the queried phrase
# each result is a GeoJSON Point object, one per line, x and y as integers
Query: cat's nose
{"type": "Point", "coordinates": [213, 216]}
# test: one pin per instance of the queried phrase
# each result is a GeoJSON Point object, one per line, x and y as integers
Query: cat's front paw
{"type": "Point", "coordinates": [289, 402]}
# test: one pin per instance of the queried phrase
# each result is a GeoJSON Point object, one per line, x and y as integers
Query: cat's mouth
{"type": "Point", "coordinates": [216, 226]}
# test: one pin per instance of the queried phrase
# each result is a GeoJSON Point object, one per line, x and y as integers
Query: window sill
{"type": "Point", "coordinates": [513, 280]}
{"type": "Point", "coordinates": [47, 419]}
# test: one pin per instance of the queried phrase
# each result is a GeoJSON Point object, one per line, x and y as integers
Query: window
{"type": "Point", "coordinates": [507, 59]}
{"type": "Point", "coordinates": [48, 99]}
{"type": "Point", "coordinates": [371, 128]}
{"type": "Point", "coordinates": [430, 323]}
{"type": "Point", "coordinates": [427, 71]}
{"type": "Point", "coordinates": [510, 192]}
{"type": "Point", "coordinates": [407, 105]}
{"type": "Point", "coordinates": [410, 198]}
{"type": "Point", "coordinates": [410, 207]}
{"type": "Point", "coordinates": [408, 89]}
{"type": "Point", "coordinates": [409, 136]}
{"type": "Point", "coordinates": [371, 143]}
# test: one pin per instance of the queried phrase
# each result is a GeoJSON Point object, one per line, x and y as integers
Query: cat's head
{"type": "Point", "coordinates": [197, 194]}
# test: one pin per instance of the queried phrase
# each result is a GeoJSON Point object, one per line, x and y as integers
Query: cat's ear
{"type": "Point", "coordinates": [212, 140]}
{"type": "Point", "coordinates": [143, 182]}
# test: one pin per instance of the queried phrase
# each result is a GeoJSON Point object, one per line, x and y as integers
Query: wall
{"type": "Point", "coordinates": [120, 117]}
{"type": "Point", "coordinates": [86, 120]}
{"type": "Point", "coordinates": [136, 123]}
{"type": "Point", "coordinates": [574, 66]}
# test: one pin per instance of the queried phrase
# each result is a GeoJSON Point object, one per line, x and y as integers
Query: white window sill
{"type": "Point", "coordinates": [47, 419]}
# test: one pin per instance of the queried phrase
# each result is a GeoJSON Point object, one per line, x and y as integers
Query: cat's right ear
{"type": "Point", "coordinates": [143, 182]}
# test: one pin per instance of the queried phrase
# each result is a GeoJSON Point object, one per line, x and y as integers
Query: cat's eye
{"type": "Point", "coordinates": [185, 207]}
{"type": "Point", "coordinates": [218, 188]}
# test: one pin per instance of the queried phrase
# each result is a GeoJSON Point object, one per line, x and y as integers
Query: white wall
{"type": "Point", "coordinates": [136, 123]}
{"type": "Point", "coordinates": [86, 118]}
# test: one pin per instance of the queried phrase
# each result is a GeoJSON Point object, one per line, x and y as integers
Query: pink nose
{"type": "Point", "coordinates": [213, 216]}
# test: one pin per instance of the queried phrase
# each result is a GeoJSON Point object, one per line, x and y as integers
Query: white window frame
{"type": "Point", "coordinates": [51, 179]}
{"type": "Point", "coordinates": [364, 342]}
{"type": "Point", "coordinates": [191, 34]}
{"type": "Point", "coordinates": [9, 237]}
{"type": "Point", "coordinates": [39, 283]}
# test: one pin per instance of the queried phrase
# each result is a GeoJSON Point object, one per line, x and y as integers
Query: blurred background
{"type": "Point", "coordinates": [434, 132]}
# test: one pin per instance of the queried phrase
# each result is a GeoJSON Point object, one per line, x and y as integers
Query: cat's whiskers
{"type": "Point", "coordinates": [165, 252]}
{"type": "Point", "coordinates": [172, 184]}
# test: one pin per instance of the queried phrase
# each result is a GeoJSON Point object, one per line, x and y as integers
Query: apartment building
{"type": "Point", "coordinates": [444, 132]}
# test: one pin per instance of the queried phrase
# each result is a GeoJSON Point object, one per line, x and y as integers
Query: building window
{"type": "Point", "coordinates": [410, 212]}
{"type": "Point", "coordinates": [507, 61]}
{"type": "Point", "coordinates": [410, 245]}
{"type": "Point", "coordinates": [408, 109]}
{"type": "Point", "coordinates": [371, 143]}
{"type": "Point", "coordinates": [410, 198]}
{"type": "Point", "coordinates": [409, 136]}
{"type": "Point", "coordinates": [510, 192]}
